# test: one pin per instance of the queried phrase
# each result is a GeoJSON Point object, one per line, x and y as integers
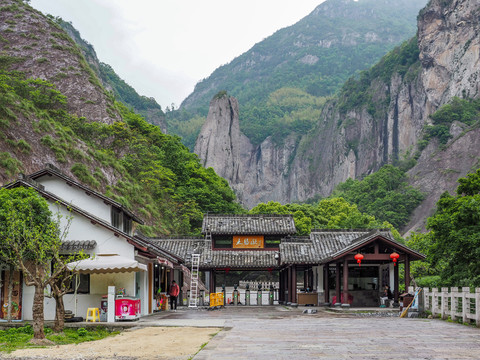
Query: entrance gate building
{"type": "Point", "coordinates": [324, 261]}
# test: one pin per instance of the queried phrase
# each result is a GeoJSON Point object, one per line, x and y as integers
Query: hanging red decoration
{"type": "Point", "coordinates": [394, 256]}
{"type": "Point", "coordinates": [359, 258]}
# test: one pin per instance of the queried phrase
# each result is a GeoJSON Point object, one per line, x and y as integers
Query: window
{"type": "Point", "coordinates": [222, 242]}
{"type": "Point", "coordinates": [272, 242]}
{"type": "Point", "coordinates": [83, 284]}
{"type": "Point", "coordinates": [116, 217]}
{"type": "Point", "coordinates": [127, 224]}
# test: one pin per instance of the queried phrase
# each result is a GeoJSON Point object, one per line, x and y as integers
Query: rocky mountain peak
{"type": "Point", "coordinates": [221, 145]}
{"type": "Point", "coordinates": [351, 141]}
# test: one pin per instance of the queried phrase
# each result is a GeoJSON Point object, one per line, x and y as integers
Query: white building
{"type": "Point", "coordinates": [98, 225]}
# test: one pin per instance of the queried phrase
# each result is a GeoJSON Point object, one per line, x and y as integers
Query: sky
{"type": "Point", "coordinates": [164, 47]}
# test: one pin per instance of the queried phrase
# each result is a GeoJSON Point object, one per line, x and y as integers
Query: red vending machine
{"type": "Point", "coordinates": [127, 308]}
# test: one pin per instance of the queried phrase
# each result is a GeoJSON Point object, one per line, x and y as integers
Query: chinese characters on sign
{"type": "Point", "coordinates": [248, 242]}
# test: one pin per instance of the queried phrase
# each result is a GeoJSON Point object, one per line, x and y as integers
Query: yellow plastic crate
{"type": "Point", "coordinates": [216, 299]}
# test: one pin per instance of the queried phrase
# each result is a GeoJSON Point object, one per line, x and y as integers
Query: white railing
{"type": "Point", "coordinates": [454, 303]}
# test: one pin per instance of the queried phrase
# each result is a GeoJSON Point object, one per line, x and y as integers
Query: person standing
{"type": "Point", "coordinates": [174, 291]}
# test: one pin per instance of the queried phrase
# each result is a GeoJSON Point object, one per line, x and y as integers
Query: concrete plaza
{"type": "Point", "coordinates": [265, 332]}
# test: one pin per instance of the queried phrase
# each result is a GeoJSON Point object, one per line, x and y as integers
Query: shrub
{"type": "Point", "coordinates": [82, 332]}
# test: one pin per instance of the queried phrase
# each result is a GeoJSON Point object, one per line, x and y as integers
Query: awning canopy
{"type": "Point", "coordinates": [105, 264]}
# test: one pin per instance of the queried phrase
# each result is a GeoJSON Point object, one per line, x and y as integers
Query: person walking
{"type": "Point", "coordinates": [174, 291]}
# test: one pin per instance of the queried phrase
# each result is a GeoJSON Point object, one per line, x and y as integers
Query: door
{"type": "Point", "coordinates": [16, 293]}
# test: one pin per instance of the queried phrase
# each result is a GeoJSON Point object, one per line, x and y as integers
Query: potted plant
{"type": "Point", "coordinates": [15, 309]}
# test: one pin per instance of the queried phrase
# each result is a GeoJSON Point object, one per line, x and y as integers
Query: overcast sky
{"type": "Point", "coordinates": [164, 47]}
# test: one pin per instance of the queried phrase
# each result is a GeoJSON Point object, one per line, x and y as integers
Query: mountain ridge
{"type": "Point", "coordinates": [54, 109]}
{"type": "Point", "coordinates": [378, 118]}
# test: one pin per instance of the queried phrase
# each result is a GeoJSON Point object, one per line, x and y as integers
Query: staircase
{"type": "Point", "coordinates": [192, 302]}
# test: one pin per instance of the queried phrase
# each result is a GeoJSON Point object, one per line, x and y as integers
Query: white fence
{"type": "Point", "coordinates": [458, 304]}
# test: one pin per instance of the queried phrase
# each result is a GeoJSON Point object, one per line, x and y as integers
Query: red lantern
{"type": "Point", "coordinates": [359, 258]}
{"type": "Point", "coordinates": [394, 256]}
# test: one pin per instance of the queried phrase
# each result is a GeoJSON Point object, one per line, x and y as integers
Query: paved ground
{"type": "Point", "coordinates": [281, 333]}
{"type": "Point", "coordinates": [265, 332]}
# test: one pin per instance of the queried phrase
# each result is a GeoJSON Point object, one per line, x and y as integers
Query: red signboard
{"type": "Point", "coordinates": [248, 242]}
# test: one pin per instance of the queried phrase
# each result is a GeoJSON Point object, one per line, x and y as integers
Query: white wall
{"type": "Point", "coordinates": [98, 286]}
{"type": "Point", "coordinates": [107, 243]}
{"type": "Point", "coordinates": [75, 196]}
{"type": "Point", "coordinates": [81, 228]}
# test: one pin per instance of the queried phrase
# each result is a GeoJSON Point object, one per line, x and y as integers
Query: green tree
{"type": "Point", "coordinates": [30, 241]}
{"type": "Point", "coordinates": [452, 244]}
{"type": "Point", "coordinates": [384, 194]}
{"type": "Point", "coordinates": [334, 213]}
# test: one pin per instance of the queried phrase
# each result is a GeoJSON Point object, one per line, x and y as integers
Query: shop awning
{"type": "Point", "coordinates": [105, 264]}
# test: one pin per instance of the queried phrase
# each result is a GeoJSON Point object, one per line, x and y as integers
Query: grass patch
{"type": "Point", "coordinates": [203, 345]}
{"type": "Point", "coordinates": [18, 338]}
{"type": "Point", "coordinates": [11, 165]}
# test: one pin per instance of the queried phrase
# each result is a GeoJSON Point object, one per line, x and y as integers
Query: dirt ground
{"type": "Point", "coordinates": [146, 343]}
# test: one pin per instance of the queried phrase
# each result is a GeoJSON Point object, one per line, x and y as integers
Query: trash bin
{"type": "Point", "coordinates": [406, 300]}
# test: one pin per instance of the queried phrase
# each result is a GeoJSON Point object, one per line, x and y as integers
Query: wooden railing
{"type": "Point", "coordinates": [457, 304]}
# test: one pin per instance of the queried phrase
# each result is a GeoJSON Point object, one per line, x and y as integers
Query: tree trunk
{"type": "Point", "coordinates": [59, 312]}
{"type": "Point", "coordinates": [10, 291]}
{"type": "Point", "coordinates": [38, 315]}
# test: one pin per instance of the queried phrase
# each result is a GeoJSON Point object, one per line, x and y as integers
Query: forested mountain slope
{"type": "Point", "coordinates": [381, 116]}
{"type": "Point", "coordinates": [315, 57]}
{"type": "Point", "coordinates": [123, 92]}
{"type": "Point", "coordinates": [54, 109]}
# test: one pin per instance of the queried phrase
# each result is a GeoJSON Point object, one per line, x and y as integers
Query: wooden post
{"type": "Point", "coordinates": [286, 285]}
{"type": "Point", "coordinates": [288, 280]}
{"type": "Point", "coordinates": [395, 285]}
{"type": "Point", "coordinates": [326, 284]}
{"type": "Point", "coordinates": [294, 284]}
{"type": "Point", "coordinates": [407, 271]}
{"type": "Point", "coordinates": [305, 279]}
{"type": "Point", "coordinates": [212, 281]}
{"type": "Point", "coordinates": [345, 283]}
{"type": "Point", "coordinates": [338, 285]}
{"type": "Point", "coordinates": [280, 286]}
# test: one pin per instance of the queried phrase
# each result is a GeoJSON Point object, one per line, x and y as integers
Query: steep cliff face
{"type": "Point", "coordinates": [355, 140]}
{"type": "Point", "coordinates": [43, 50]}
{"type": "Point", "coordinates": [221, 145]}
{"type": "Point", "coordinates": [254, 172]}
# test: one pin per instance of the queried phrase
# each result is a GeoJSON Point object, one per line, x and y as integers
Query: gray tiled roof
{"type": "Point", "coordinates": [323, 244]}
{"type": "Point", "coordinates": [249, 224]}
{"type": "Point", "coordinates": [320, 247]}
{"type": "Point", "coordinates": [75, 245]}
{"type": "Point", "coordinates": [184, 248]}
{"type": "Point", "coordinates": [181, 248]}
{"type": "Point", "coordinates": [297, 250]}
{"type": "Point", "coordinates": [329, 242]}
